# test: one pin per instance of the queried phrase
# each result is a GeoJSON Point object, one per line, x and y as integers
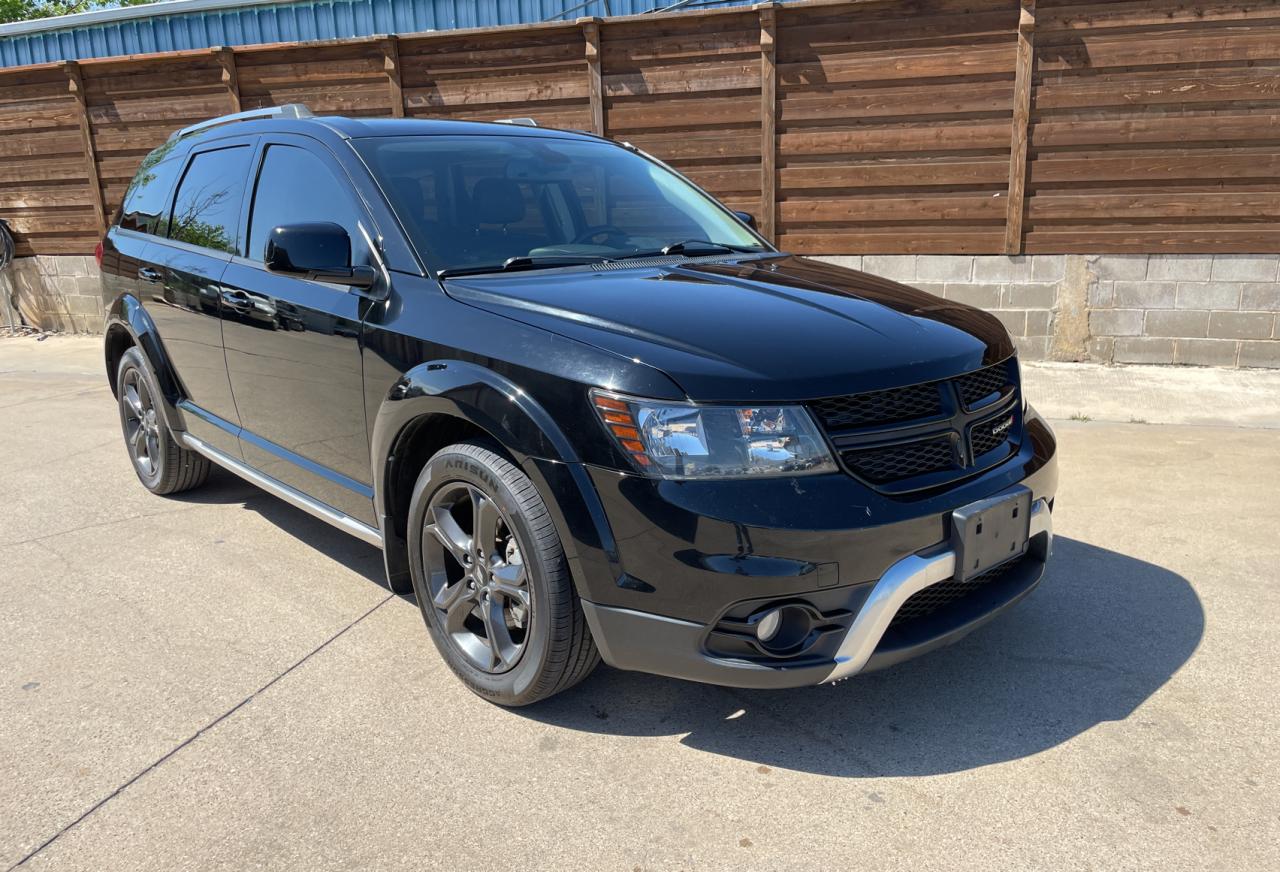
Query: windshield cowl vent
{"type": "Point", "coordinates": [669, 260]}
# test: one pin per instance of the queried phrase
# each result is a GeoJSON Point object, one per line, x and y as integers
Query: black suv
{"type": "Point", "coordinates": [585, 410]}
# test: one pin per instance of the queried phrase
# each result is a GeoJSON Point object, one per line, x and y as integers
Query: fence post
{"type": "Point", "coordinates": [391, 64]}
{"type": "Point", "coordinates": [595, 84]}
{"type": "Point", "coordinates": [230, 78]}
{"type": "Point", "coordinates": [75, 84]}
{"type": "Point", "coordinates": [768, 121]}
{"type": "Point", "coordinates": [1016, 206]}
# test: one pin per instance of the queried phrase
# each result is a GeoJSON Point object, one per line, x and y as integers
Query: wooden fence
{"type": "Point", "coordinates": [847, 126]}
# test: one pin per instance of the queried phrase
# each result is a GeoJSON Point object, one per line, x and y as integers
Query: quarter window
{"type": "Point", "coordinates": [206, 211]}
{"type": "Point", "coordinates": [295, 187]}
{"type": "Point", "coordinates": [146, 208]}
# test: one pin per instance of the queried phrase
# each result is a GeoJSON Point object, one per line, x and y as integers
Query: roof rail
{"type": "Point", "coordinates": [289, 110]}
{"type": "Point", "coordinates": [523, 122]}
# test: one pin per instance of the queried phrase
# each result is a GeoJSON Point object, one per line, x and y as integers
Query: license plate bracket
{"type": "Point", "coordinates": [989, 532]}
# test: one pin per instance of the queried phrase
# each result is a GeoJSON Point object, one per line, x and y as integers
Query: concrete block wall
{"type": "Point", "coordinates": [62, 294]}
{"type": "Point", "coordinates": [1209, 310]}
{"type": "Point", "coordinates": [1206, 310]}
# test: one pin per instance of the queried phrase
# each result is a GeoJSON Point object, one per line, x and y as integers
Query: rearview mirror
{"type": "Point", "coordinates": [320, 252]}
{"type": "Point", "coordinates": [747, 218]}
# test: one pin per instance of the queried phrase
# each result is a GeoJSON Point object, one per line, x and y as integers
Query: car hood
{"type": "Point", "coordinates": [756, 329]}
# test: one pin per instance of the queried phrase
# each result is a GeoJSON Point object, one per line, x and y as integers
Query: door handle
{"type": "Point", "coordinates": [235, 299]}
{"type": "Point", "coordinates": [147, 274]}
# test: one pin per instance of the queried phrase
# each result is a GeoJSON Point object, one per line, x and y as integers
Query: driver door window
{"type": "Point", "coordinates": [295, 186]}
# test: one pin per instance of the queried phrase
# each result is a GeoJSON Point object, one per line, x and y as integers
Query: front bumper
{"type": "Point", "coordinates": [645, 642]}
{"type": "Point", "coordinates": [688, 583]}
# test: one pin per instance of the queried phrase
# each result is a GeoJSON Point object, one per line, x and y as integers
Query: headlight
{"type": "Point", "coordinates": [682, 440]}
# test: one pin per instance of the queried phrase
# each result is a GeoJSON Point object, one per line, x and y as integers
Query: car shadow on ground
{"type": "Point", "coordinates": [225, 488]}
{"type": "Point", "coordinates": [1101, 634]}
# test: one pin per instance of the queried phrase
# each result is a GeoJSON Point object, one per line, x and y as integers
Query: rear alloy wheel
{"type": "Point", "coordinates": [163, 465]}
{"type": "Point", "coordinates": [491, 579]}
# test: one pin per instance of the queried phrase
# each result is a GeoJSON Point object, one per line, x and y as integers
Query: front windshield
{"type": "Point", "coordinates": [470, 202]}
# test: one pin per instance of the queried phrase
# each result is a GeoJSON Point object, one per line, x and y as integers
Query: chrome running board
{"type": "Point", "coordinates": [907, 577]}
{"type": "Point", "coordinates": [290, 495]}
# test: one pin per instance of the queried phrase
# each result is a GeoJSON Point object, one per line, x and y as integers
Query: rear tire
{"type": "Point", "coordinates": [491, 579]}
{"type": "Point", "coordinates": [163, 465]}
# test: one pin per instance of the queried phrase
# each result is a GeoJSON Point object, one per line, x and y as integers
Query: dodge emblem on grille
{"type": "Point", "coordinates": [1003, 427]}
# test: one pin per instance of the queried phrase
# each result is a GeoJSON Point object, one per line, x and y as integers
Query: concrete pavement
{"type": "Point", "coordinates": [219, 681]}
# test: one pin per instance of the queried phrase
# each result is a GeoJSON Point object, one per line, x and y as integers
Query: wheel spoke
{"type": "Point", "coordinates": [449, 594]}
{"type": "Point", "coordinates": [501, 647]}
{"type": "Point", "coordinates": [460, 609]}
{"type": "Point", "coordinates": [134, 401]}
{"type": "Point", "coordinates": [144, 395]}
{"type": "Point", "coordinates": [487, 517]}
{"type": "Point", "coordinates": [153, 448]}
{"type": "Point", "coordinates": [510, 582]}
{"type": "Point", "coordinates": [450, 535]}
{"type": "Point", "coordinates": [138, 440]}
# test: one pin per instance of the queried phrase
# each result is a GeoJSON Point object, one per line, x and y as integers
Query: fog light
{"type": "Point", "coordinates": [784, 630]}
{"type": "Point", "coordinates": [767, 627]}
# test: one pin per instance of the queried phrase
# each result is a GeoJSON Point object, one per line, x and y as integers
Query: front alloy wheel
{"type": "Point", "coordinates": [476, 576]}
{"type": "Point", "coordinates": [491, 578]}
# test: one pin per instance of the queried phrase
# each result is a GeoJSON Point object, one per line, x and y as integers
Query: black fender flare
{"type": "Point", "coordinates": [127, 313]}
{"type": "Point", "coordinates": [494, 404]}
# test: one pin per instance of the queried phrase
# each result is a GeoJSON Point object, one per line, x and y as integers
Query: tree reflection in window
{"type": "Point", "coordinates": [189, 226]}
{"type": "Point", "coordinates": [206, 211]}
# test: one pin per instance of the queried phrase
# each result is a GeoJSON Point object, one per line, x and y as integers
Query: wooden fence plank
{"type": "Point", "coordinates": [768, 121]}
{"type": "Point", "coordinates": [595, 84]}
{"type": "Point", "coordinates": [899, 173]}
{"type": "Point", "coordinates": [75, 82]}
{"type": "Point", "coordinates": [1148, 13]}
{"type": "Point", "coordinates": [1021, 120]}
{"type": "Point", "coordinates": [391, 64]}
{"type": "Point", "coordinates": [230, 78]}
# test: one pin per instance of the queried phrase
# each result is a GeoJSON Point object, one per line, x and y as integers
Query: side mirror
{"type": "Point", "coordinates": [747, 218]}
{"type": "Point", "coordinates": [320, 252]}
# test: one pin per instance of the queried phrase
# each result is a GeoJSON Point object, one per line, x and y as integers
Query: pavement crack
{"type": "Point", "coordinates": [62, 396]}
{"type": "Point", "coordinates": [62, 458]}
{"type": "Point", "coordinates": [107, 523]}
{"type": "Point", "coordinates": [160, 761]}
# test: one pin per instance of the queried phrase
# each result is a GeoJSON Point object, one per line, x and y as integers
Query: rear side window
{"type": "Point", "coordinates": [206, 211]}
{"type": "Point", "coordinates": [146, 207]}
{"type": "Point", "coordinates": [295, 187]}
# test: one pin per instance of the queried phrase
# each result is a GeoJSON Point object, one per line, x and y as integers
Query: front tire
{"type": "Point", "coordinates": [163, 465]}
{"type": "Point", "coordinates": [491, 579]}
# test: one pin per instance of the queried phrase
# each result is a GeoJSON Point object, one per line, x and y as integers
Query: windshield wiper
{"type": "Point", "coordinates": [523, 262]}
{"type": "Point", "coordinates": [688, 246]}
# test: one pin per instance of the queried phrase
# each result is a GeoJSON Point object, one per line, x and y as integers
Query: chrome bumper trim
{"type": "Point", "coordinates": [909, 576]}
{"type": "Point", "coordinates": [290, 495]}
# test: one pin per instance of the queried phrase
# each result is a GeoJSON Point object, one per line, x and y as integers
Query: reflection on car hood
{"type": "Point", "coordinates": [754, 329]}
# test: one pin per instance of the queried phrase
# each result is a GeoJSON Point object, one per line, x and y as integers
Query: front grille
{"type": "Point", "coordinates": [944, 593]}
{"type": "Point", "coordinates": [890, 437]}
{"type": "Point", "coordinates": [977, 386]}
{"type": "Point", "coordinates": [895, 462]}
{"type": "Point", "coordinates": [983, 436]}
{"type": "Point", "coordinates": [880, 407]}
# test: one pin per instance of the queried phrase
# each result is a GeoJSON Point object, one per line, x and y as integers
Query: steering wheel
{"type": "Point", "coordinates": [608, 231]}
